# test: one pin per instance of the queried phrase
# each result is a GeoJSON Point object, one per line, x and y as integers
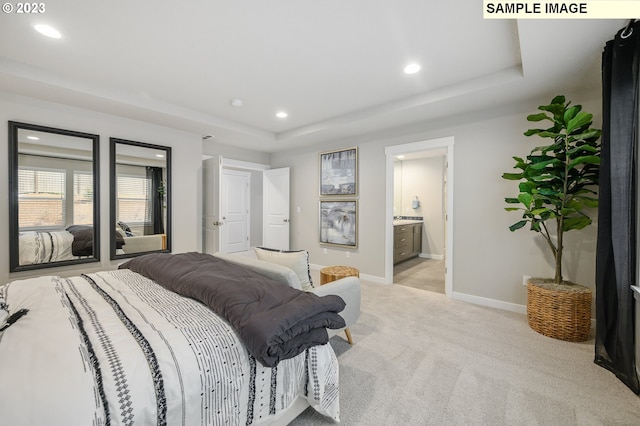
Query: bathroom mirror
{"type": "Point", "coordinates": [140, 198]}
{"type": "Point", "coordinates": [53, 197]}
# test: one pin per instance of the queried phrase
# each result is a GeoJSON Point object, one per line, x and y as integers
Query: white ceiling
{"type": "Point", "coordinates": [335, 66]}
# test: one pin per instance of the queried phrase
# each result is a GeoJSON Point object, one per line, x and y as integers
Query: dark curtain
{"type": "Point", "coordinates": [156, 199]}
{"type": "Point", "coordinates": [616, 252]}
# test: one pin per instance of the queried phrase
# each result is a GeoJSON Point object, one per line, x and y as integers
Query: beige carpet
{"type": "Point", "coordinates": [420, 358]}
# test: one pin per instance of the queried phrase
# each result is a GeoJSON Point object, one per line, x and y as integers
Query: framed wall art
{"type": "Point", "coordinates": [339, 172]}
{"type": "Point", "coordinates": [339, 222]}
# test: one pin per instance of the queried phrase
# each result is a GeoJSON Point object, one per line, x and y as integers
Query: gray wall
{"type": "Point", "coordinates": [488, 260]}
{"type": "Point", "coordinates": [186, 152]}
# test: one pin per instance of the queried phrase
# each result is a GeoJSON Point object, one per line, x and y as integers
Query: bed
{"type": "Point", "coordinates": [117, 347]}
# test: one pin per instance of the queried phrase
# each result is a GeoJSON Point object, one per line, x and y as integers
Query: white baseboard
{"type": "Point", "coordinates": [431, 256]}
{"type": "Point", "coordinates": [374, 279]}
{"type": "Point", "coordinates": [498, 304]}
{"type": "Point", "coordinates": [469, 298]}
{"type": "Point", "coordinates": [492, 303]}
{"type": "Point", "coordinates": [315, 267]}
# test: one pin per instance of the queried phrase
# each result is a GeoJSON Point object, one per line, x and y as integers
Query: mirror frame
{"type": "Point", "coordinates": [14, 229]}
{"type": "Point", "coordinates": [113, 142]}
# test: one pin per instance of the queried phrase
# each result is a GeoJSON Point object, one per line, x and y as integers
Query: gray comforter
{"type": "Point", "coordinates": [274, 321]}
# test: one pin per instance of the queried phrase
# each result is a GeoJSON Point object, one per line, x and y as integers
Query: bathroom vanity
{"type": "Point", "coordinates": [407, 239]}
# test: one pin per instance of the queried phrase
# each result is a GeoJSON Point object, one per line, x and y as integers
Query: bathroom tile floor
{"type": "Point", "coordinates": [424, 274]}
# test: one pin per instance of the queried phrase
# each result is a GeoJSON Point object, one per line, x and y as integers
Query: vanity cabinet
{"type": "Point", "coordinates": [407, 241]}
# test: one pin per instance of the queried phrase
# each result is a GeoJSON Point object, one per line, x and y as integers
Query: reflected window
{"type": "Point", "coordinates": [133, 199]}
{"type": "Point", "coordinates": [41, 198]}
{"type": "Point", "coordinates": [82, 198]}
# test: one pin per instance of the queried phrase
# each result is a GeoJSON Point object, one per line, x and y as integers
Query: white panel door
{"type": "Point", "coordinates": [234, 207]}
{"type": "Point", "coordinates": [275, 229]}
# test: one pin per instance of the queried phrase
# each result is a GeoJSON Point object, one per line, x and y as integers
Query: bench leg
{"type": "Point", "coordinates": [348, 333]}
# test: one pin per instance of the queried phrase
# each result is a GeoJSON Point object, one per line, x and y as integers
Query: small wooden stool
{"type": "Point", "coordinates": [332, 273]}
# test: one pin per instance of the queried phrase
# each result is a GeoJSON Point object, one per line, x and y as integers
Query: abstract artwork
{"type": "Point", "coordinates": [339, 222]}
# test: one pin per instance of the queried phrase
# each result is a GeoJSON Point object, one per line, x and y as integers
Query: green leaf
{"type": "Point", "coordinates": [538, 212]}
{"type": "Point", "coordinates": [558, 100]}
{"type": "Point", "coordinates": [512, 200]}
{"type": "Point", "coordinates": [548, 134]}
{"type": "Point", "coordinates": [539, 165]}
{"type": "Point", "coordinates": [555, 108]}
{"type": "Point", "coordinates": [589, 201]}
{"type": "Point", "coordinates": [525, 199]}
{"type": "Point", "coordinates": [512, 209]}
{"type": "Point", "coordinates": [532, 132]}
{"type": "Point", "coordinates": [545, 148]}
{"type": "Point", "coordinates": [580, 148]}
{"type": "Point", "coordinates": [571, 113]}
{"type": "Point", "coordinates": [549, 192]}
{"type": "Point", "coordinates": [587, 159]}
{"type": "Point", "coordinates": [527, 187]}
{"type": "Point", "coordinates": [579, 121]}
{"type": "Point", "coordinates": [591, 133]}
{"type": "Point", "coordinates": [574, 223]}
{"type": "Point", "coordinates": [512, 176]}
{"type": "Point", "coordinates": [538, 117]}
{"type": "Point", "coordinates": [550, 214]}
{"type": "Point", "coordinates": [575, 204]}
{"type": "Point", "coordinates": [518, 225]}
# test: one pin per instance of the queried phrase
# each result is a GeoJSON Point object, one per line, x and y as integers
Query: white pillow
{"type": "Point", "coordinates": [298, 261]}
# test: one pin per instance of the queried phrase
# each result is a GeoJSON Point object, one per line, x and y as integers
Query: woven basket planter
{"type": "Point", "coordinates": [561, 311]}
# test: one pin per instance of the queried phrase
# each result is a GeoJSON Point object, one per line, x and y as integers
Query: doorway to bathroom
{"type": "Point", "coordinates": [419, 219]}
{"type": "Point", "coordinates": [419, 215]}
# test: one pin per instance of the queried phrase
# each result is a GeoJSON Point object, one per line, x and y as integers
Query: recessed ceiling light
{"type": "Point", "coordinates": [411, 68]}
{"type": "Point", "coordinates": [282, 114]}
{"type": "Point", "coordinates": [236, 102]}
{"type": "Point", "coordinates": [160, 155]}
{"type": "Point", "coordinates": [33, 138]}
{"type": "Point", "coordinates": [47, 30]}
{"type": "Point", "coordinates": [400, 157]}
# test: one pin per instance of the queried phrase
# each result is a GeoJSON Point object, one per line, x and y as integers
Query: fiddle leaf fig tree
{"type": "Point", "coordinates": [558, 181]}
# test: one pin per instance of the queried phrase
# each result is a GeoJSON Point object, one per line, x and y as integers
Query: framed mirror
{"type": "Point", "coordinates": [53, 197]}
{"type": "Point", "coordinates": [140, 198]}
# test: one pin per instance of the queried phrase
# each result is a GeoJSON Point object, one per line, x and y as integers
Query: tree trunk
{"type": "Point", "coordinates": [558, 278]}
{"type": "Point", "coordinates": [559, 248]}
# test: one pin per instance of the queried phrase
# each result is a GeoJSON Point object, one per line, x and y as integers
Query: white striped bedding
{"type": "Point", "coordinates": [37, 247]}
{"type": "Point", "coordinates": [116, 348]}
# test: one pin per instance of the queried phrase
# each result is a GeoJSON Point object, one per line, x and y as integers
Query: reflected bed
{"type": "Point", "coordinates": [38, 247]}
